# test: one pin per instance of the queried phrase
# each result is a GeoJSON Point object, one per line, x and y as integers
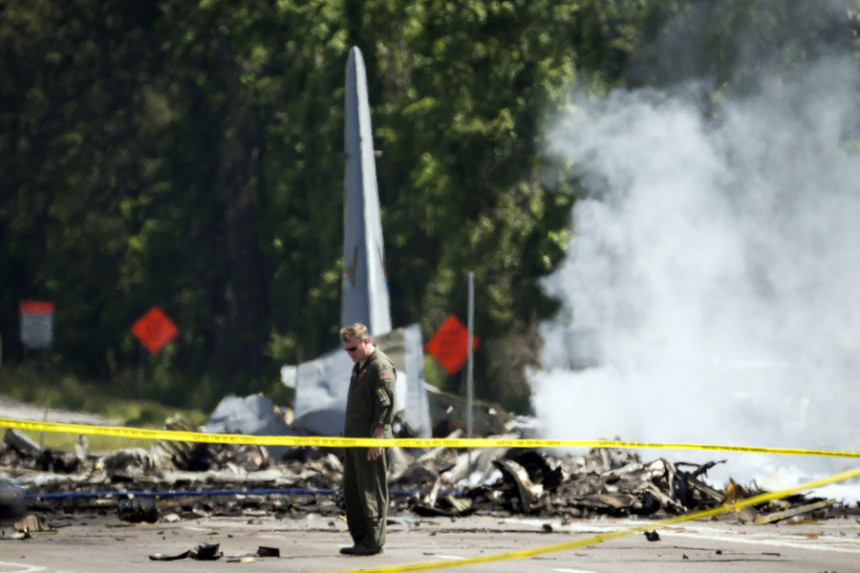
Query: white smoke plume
{"type": "Point", "coordinates": [712, 291]}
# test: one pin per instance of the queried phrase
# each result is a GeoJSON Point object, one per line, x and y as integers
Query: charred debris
{"type": "Point", "coordinates": [179, 480]}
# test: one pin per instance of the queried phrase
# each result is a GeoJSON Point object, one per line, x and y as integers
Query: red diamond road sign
{"type": "Point", "coordinates": [154, 329]}
{"type": "Point", "coordinates": [449, 346]}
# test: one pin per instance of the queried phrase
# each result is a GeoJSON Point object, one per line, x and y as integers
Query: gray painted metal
{"type": "Point", "coordinates": [365, 286]}
{"type": "Point", "coordinates": [321, 384]}
{"type": "Point", "coordinates": [252, 415]}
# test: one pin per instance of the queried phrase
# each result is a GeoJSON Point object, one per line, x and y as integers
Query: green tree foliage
{"type": "Point", "coordinates": [188, 155]}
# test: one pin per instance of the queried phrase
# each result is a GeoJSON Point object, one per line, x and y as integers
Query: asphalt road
{"type": "Point", "coordinates": [88, 543]}
{"type": "Point", "coordinates": [95, 544]}
{"type": "Point", "coordinates": [10, 408]}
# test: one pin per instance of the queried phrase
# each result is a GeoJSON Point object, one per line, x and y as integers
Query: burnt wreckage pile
{"type": "Point", "coordinates": [179, 480]}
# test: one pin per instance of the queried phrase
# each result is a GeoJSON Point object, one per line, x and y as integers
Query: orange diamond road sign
{"type": "Point", "coordinates": [449, 346]}
{"type": "Point", "coordinates": [154, 329]}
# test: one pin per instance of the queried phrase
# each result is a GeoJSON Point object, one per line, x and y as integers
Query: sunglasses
{"type": "Point", "coordinates": [351, 349]}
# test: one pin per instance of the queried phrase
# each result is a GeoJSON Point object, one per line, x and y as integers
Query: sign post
{"type": "Point", "coordinates": [154, 329]}
{"type": "Point", "coordinates": [469, 368]}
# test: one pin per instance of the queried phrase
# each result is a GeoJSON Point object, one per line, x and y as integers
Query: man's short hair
{"type": "Point", "coordinates": [357, 330]}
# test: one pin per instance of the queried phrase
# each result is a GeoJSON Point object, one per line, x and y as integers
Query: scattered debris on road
{"type": "Point", "coordinates": [178, 480]}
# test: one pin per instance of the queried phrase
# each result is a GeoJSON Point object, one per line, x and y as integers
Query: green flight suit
{"type": "Point", "coordinates": [369, 404]}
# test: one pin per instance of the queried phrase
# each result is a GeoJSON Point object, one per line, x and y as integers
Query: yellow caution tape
{"type": "Point", "coordinates": [140, 433]}
{"type": "Point", "coordinates": [615, 534]}
{"type": "Point", "coordinates": [325, 442]}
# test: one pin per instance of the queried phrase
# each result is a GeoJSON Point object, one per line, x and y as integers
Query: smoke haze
{"type": "Point", "coordinates": [712, 291]}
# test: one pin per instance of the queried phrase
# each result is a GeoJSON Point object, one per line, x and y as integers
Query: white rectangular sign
{"type": "Point", "coordinates": [37, 323]}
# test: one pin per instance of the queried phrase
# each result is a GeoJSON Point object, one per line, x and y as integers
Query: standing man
{"type": "Point", "coordinates": [369, 413]}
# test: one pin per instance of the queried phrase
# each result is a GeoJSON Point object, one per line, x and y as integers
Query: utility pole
{"type": "Point", "coordinates": [469, 361]}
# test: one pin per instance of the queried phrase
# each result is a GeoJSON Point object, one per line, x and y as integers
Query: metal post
{"type": "Point", "coordinates": [141, 369]}
{"type": "Point", "coordinates": [469, 362]}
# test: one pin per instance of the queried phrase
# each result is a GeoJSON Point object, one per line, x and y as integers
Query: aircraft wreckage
{"type": "Point", "coordinates": [178, 480]}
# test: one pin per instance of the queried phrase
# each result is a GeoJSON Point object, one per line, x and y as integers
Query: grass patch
{"type": "Point", "coordinates": [68, 393]}
{"type": "Point", "coordinates": [65, 442]}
